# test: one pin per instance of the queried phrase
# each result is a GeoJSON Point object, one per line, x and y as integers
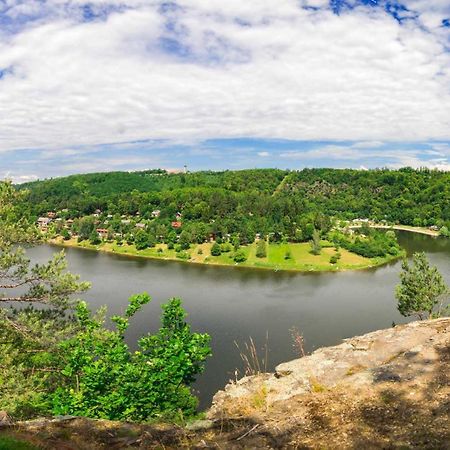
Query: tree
{"type": "Point", "coordinates": [421, 290]}
{"type": "Point", "coordinates": [316, 247]}
{"type": "Point", "coordinates": [261, 251]}
{"type": "Point", "coordinates": [239, 256]}
{"type": "Point", "coordinates": [141, 240]}
{"type": "Point", "coordinates": [215, 249]}
{"type": "Point", "coordinates": [185, 240]}
{"type": "Point", "coordinates": [94, 238]}
{"type": "Point", "coordinates": [29, 334]}
{"type": "Point", "coordinates": [85, 227]}
{"type": "Point", "coordinates": [105, 379]}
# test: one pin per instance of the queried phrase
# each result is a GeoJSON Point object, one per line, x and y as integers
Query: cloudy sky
{"type": "Point", "coordinates": [214, 84]}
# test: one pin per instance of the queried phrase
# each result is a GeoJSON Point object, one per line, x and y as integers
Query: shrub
{"type": "Point", "coordinates": [261, 251]}
{"type": "Point", "coordinates": [183, 255]}
{"type": "Point", "coordinates": [239, 256]}
{"type": "Point", "coordinates": [226, 247]}
{"type": "Point", "coordinates": [94, 238]}
{"type": "Point", "coordinates": [316, 247]}
{"type": "Point", "coordinates": [200, 251]}
{"type": "Point", "coordinates": [215, 249]}
{"type": "Point", "coordinates": [288, 254]}
{"type": "Point", "coordinates": [104, 379]}
{"type": "Point", "coordinates": [333, 259]}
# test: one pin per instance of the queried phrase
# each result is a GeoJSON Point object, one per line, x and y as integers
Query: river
{"type": "Point", "coordinates": [233, 304]}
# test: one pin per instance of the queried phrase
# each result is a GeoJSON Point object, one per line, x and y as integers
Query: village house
{"type": "Point", "coordinates": [51, 214]}
{"type": "Point", "coordinates": [176, 224]}
{"type": "Point", "coordinates": [141, 226]}
{"type": "Point", "coordinates": [156, 213]}
{"type": "Point", "coordinates": [102, 232]}
{"type": "Point", "coordinates": [43, 223]}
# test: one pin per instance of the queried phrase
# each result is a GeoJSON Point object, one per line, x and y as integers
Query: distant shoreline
{"type": "Point", "coordinates": [349, 261]}
{"type": "Point", "coordinates": [420, 230]}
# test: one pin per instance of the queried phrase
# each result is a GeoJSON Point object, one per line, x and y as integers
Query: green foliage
{"type": "Point", "coordinates": [183, 255]}
{"type": "Point", "coordinates": [226, 247]}
{"type": "Point", "coordinates": [444, 231]}
{"type": "Point", "coordinates": [370, 245]}
{"type": "Point", "coordinates": [216, 249]}
{"type": "Point", "coordinates": [9, 443]}
{"type": "Point", "coordinates": [29, 334]}
{"type": "Point", "coordinates": [239, 256]}
{"type": "Point", "coordinates": [288, 255]}
{"type": "Point", "coordinates": [316, 246]}
{"type": "Point", "coordinates": [185, 240]}
{"type": "Point", "coordinates": [94, 238]}
{"type": "Point", "coordinates": [261, 249]}
{"type": "Point", "coordinates": [334, 259]}
{"type": "Point", "coordinates": [141, 240]}
{"type": "Point", "coordinates": [422, 289]}
{"type": "Point", "coordinates": [239, 203]}
{"type": "Point", "coordinates": [104, 379]}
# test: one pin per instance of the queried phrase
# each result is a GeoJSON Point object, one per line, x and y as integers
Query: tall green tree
{"type": "Point", "coordinates": [261, 249]}
{"type": "Point", "coordinates": [316, 247]}
{"type": "Point", "coordinates": [34, 304]}
{"type": "Point", "coordinates": [422, 290]}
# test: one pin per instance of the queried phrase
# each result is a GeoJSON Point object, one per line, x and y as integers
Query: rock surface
{"type": "Point", "coordinates": [401, 353]}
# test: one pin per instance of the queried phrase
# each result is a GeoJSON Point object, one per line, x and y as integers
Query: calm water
{"type": "Point", "coordinates": [232, 304]}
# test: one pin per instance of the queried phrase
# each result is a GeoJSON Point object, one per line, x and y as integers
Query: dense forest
{"type": "Point", "coordinates": [252, 201]}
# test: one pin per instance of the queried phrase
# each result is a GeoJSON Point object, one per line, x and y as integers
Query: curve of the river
{"type": "Point", "coordinates": [232, 305]}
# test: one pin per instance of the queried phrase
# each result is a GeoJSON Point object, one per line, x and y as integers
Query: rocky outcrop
{"type": "Point", "coordinates": [386, 389]}
{"type": "Point", "coordinates": [398, 354]}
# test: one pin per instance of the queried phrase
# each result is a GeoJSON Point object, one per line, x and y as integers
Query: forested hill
{"type": "Point", "coordinates": [268, 198]}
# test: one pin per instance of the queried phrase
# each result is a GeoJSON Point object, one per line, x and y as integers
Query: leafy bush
{"type": "Point", "coordinates": [333, 259]}
{"type": "Point", "coordinates": [316, 246]}
{"type": "Point", "coordinates": [183, 255]}
{"type": "Point", "coordinates": [226, 247]}
{"type": "Point", "coordinates": [239, 256]}
{"type": "Point", "coordinates": [104, 379]}
{"type": "Point", "coordinates": [261, 251]}
{"type": "Point", "coordinates": [215, 249]}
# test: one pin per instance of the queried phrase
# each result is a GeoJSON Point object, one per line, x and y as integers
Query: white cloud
{"type": "Point", "coordinates": [263, 154]}
{"type": "Point", "coordinates": [279, 72]}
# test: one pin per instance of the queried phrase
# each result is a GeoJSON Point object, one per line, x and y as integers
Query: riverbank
{"type": "Point", "coordinates": [301, 259]}
{"type": "Point", "coordinates": [420, 230]}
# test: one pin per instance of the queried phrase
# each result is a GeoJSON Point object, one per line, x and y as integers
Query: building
{"type": "Point", "coordinates": [43, 223]}
{"type": "Point", "coordinates": [102, 232]}
{"type": "Point", "coordinates": [156, 213]}
{"type": "Point", "coordinates": [176, 224]}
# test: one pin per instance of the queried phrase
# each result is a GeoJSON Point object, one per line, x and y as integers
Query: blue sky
{"type": "Point", "coordinates": [134, 84]}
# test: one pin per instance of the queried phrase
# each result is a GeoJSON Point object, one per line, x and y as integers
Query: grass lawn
{"type": "Point", "coordinates": [301, 257]}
